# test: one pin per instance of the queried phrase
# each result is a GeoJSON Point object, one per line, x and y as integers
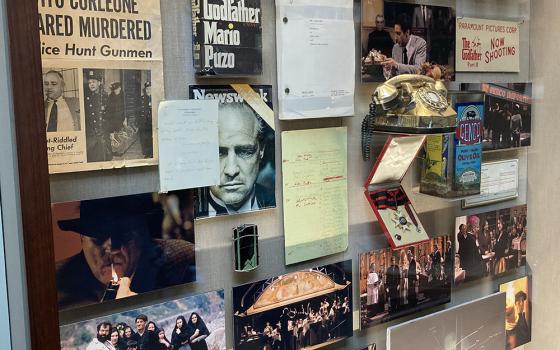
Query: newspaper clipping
{"type": "Point", "coordinates": [102, 81]}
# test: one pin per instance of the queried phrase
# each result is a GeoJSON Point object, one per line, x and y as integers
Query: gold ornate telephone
{"type": "Point", "coordinates": [408, 104]}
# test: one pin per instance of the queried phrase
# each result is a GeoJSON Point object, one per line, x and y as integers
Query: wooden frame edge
{"type": "Point", "coordinates": [34, 188]}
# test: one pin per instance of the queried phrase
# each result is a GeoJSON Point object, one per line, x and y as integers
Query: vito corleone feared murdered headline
{"type": "Point", "coordinates": [78, 19]}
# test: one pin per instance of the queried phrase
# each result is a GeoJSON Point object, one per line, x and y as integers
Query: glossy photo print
{"type": "Point", "coordinates": [518, 312]}
{"type": "Point", "coordinates": [395, 283]}
{"type": "Point", "coordinates": [307, 309]}
{"type": "Point", "coordinates": [246, 150]}
{"type": "Point", "coordinates": [196, 323]}
{"type": "Point", "coordinates": [476, 325]}
{"type": "Point", "coordinates": [507, 114]}
{"type": "Point", "coordinates": [490, 243]}
{"type": "Point", "coordinates": [399, 38]}
{"type": "Point", "coordinates": [117, 247]}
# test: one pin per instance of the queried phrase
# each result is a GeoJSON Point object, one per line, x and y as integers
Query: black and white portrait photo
{"type": "Point", "coordinates": [61, 99]}
{"type": "Point", "coordinates": [118, 114]}
{"type": "Point", "coordinates": [246, 152]}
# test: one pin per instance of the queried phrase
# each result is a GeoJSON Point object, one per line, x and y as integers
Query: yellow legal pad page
{"type": "Point", "coordinates": [314, 181]}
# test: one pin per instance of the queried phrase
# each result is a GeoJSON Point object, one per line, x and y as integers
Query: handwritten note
{"type": "Point", "coordinates": [188, 144]}
{"type": "Point", "coordinates": [314, 175]}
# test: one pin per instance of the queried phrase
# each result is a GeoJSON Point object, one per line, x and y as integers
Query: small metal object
{"type": "Point", "coordinates": [285, 19]}
{"type": "Point", "coordinates": [287, 90]}
{"type": "Point", "coordinates": [245, 247]}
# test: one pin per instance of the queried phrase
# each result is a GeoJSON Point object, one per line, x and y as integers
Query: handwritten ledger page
{"type": "Point", "coordinates": [314, 180]}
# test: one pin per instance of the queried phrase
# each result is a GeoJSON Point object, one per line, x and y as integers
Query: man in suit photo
{"type": "Point", "coordinates": [61, 113]}
{"type": "Point", "coordinates": [409, 51]}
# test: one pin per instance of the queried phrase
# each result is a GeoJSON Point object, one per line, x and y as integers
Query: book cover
{"type": "Point", "coordinates": [227, 37]}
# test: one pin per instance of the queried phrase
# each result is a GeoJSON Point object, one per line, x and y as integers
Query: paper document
{"type": "Point", "coordinates": [316, 54]}
{"type": "Point", "coordinates": [188, 144]}
{"type": "Point", "coordinates": [314, 175]}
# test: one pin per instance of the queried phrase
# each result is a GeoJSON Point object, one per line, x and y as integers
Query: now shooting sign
{"type": "Point", "coordinates": [487, 46]}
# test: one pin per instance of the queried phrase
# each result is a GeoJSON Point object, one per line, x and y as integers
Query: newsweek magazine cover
{"type": "Point", "coordinates": [246, 150]}
{"type": "Point", "coordinates": [227, 37]}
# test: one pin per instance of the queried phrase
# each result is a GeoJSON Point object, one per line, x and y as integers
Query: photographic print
{"type": "Point", "coordinates": [476, 325]}
{"type": "Point", "coordinates": [118, 247]}
{"type": "Point", "coordinates": [518, 312]}
{"type": "Point", "coordinates": [399, 38]}
{"type": "Point", "coordinates": [246, 150]}
{"type": "Point", "coordinates": [196, 323]}
{"type": "Point", "coordinates": [507, 114]}
{"type": "Point", "coordinates": [395, 283]}
{"type": "Point", "coordinates": [118, 114]}
{"type": "Point", "coordinates": [307, 309]}
{"type": "Point", "coordinates": [490, 243]}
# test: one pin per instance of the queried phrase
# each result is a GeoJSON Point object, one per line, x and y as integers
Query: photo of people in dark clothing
{"type": "Point", "coordinates": [117, 247]}
{"type": "Point", "coordinates": [507, 114]}
{"type": "Point", "coordinates": [395, 283]}
{"type": "Point", "coordinates": [118, 114]}
{"type": "Point", "coordinates": [518, 312]}
{"type": "Point", "coordinates": [490, 244]}
{"type": "Point", "coordinates": [196, 323]}
{"type": "Point", "coordinates": [399, 38]}
{"type": "Point", "coordinates": [307, 309]}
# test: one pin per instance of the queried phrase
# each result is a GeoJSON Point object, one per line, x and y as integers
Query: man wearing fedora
{"type": "Point", "coordinates": [117, 238]}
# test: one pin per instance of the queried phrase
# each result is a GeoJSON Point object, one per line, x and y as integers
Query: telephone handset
{"type": "Point", "coordinates": [408, 104]}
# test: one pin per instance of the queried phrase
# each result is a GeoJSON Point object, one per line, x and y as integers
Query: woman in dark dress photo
{"type": "Point", "coordinates": [197, 332]}
{"type": "Point", "coordinates": [163, 343]}
{"type": "Point", "coordinates": [116, 340]}
{"type": "Point", "coordinates": [180, 336]}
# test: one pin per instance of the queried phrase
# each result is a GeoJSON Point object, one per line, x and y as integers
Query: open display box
{"type": "Point", "coordinates": [390, 203]}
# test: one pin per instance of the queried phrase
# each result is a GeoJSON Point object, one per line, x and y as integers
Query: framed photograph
{"type": "Point", "coordinates": [518, 312]}
{"type": "Point", "coordinates": [118, 247]}
{"type": "Point", "coordinates": [490, 243]}
{"type": "Point", "coordinates": [401, 282]}
{"type": "Point", "coordinates": [305, 309]}
{"type": "Point", "coordinates": [400, 38]}
{"type": "Point", "coordinates": [195, 322]}
{"type": "Point", "coordinates": [507, 114]}
{"type": "Point", "coordinates": [477, 324]}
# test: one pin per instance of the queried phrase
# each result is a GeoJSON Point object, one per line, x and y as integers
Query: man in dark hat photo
{"type": "Point", "coordinates": [119, 255]}
{"type": "Point", "coordinates": [98, 144]}
{"type": "Point", "coordinates": [115, 109]}
{"type": "Point", "coordinates": [145, 123]}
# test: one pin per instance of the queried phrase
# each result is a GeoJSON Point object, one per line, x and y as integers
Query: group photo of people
{"type": "Point", "coordinates": [287, 325]}
{"type": "Point", "coordinates": [491, 243]}
{"type": "Point", "coordinates": [116, 247]}
{"type": "Point", "coordinates": [507, 122]}
{"type": "Point", "coordinates": [400, 282]}
{"type": "Point", "coordinates": [192, 323]}
{"type": "Point", "coordinates": [402, 38]}
{"type": "Point", "coordinates": [118, 114]}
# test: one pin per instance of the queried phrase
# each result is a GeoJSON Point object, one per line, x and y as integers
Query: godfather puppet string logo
{"type": "Point", "coordinates": [112, 29]}
{"type": "Point", "coordinates": [227, 36]}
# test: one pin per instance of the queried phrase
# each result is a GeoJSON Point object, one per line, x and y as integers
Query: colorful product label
{"type": "Point", "coordinates": [468, 144]}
